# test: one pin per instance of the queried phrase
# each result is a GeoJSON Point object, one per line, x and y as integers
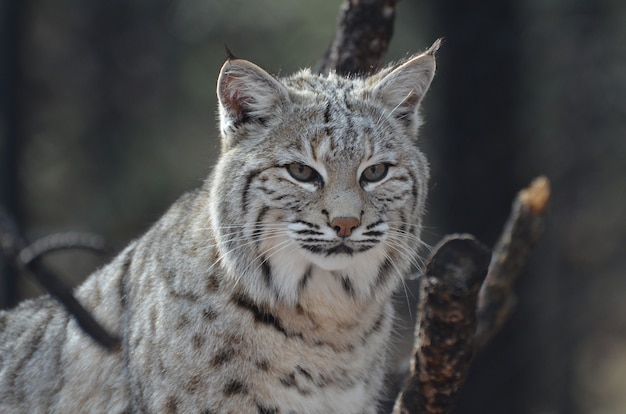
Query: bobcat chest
{"type": "Point", "coordinates": [299, 361]}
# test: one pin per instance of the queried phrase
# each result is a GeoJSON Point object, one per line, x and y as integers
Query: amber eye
{"type": "Point", "coordinates": [375, 173]}
{"type": "Point", "coordinates": [303, 173]}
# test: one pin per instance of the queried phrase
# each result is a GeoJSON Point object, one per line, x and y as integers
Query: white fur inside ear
{"type": "Point", "coordinates": [246, 92]}
{"type": "Point", "coordinates": [405, 86]}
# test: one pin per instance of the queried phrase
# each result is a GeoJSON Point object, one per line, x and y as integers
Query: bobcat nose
{"type": "Point", "coordinates": [344, 225]}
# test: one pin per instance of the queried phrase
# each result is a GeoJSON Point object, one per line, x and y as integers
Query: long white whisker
{"type": "Point", "coordinates": [404, 286]}
{"type": "Point", "coordinates": [249, 241]}
{"type": "Point", "coordinates": [407, 252]}
{"type": "Point", "coordinates": [275, 249]}
{"type": "Point", "coordinates": [398, 242]}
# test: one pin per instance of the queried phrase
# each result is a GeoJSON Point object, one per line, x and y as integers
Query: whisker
{"type": "Point", "coordinates": [404, 286]}
{"type": "Point", "coordinates": [416, 261]}
{"type": "Point", "coordinates": [408, 236]}
{"type": "Point", "coordinates": [249, 241]}
{"type": "Point", "coordinates": [277, 248]}
{"type": "Point", "coordinates": [406, 251]}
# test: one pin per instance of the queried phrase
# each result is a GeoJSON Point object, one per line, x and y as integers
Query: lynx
{"type": "Point", "coordinates": [268, 289]}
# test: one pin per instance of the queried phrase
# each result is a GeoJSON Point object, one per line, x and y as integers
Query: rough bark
{"type": "Point", "coordinates": [522, 229]}
{"type": "Point", "coordinates": [362, 37]}
{"type": "Point", "coordinates": [446, 322]}
{"type": "Point", "coordinates": [458, 313]}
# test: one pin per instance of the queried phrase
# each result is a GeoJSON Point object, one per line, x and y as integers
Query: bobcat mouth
{"type": "Point", "coordinates": [340, 249]}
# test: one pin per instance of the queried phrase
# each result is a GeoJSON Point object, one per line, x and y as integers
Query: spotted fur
{"type": "Point", "coordinates": [268, 289]}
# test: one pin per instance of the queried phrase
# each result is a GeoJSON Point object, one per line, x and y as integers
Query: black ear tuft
{"type": "Point", "coordinates": [229, 54]}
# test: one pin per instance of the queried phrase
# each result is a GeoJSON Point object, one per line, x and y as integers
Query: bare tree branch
{"type": "Point", "coordinates": [523, 228]}
{"type": "Point", "coordinates": [362, 37]}
{"type": "Point", "coordinates": [62, 241]}
{"type": "Point", "coordinates": [12, 244]}
{"type": "Point", "coordinates": [443, 348]}
{"type": "Point", "coordinates": [455, 318]}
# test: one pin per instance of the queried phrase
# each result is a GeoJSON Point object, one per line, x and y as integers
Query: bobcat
{"type": "Point", "coordinates": [267, 290]}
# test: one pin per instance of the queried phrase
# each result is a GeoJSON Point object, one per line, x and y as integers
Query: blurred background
{"type": "Point", "coordinates": [108, 114]}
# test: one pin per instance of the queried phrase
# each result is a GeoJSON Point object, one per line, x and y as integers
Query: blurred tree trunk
{"type": "Point", "coordinates": [478, 72]}
{"type": "Point", "coordinates": [10, 136]}
{"type": "Point", "coordinates": [475, 151]}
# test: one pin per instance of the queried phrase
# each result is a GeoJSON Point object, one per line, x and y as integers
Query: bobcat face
{"type": "Point", "coordinates": [327, 177]}
{"type": "Point", "coordinates": [341, 202]}
{"type": "Point", "coordinates": [343, 219]}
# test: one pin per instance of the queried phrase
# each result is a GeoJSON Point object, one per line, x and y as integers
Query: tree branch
{"type": "Point", "coordinates": [443, 348]}
{"type": "Point", "coordinates": [28, 259]}
{"type": "Point", "coordinates": [62, 241]}
{"type": "Point", "coordinates": [362, 37]}
{"type": "Point", "coordinates": [521, 231]}
{"type": "Point", "coordinates": [455, 318]}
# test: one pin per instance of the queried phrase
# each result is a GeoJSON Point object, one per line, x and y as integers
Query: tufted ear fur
{"type": "Point", "coordinates": [403, 87]}
{"type": "Point", "coordinates": [247, 93]}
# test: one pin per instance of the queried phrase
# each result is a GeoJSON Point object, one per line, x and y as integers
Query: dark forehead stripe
{"type": "Point", "coordinates": [339, 114]}
{"type": "Point", "coordinates": [345, 134]}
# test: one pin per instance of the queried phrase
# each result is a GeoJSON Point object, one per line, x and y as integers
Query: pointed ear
{"type": "Point", "coordinates": [403, 88]}
{"type": "Point", "coordinates": [247, 93]}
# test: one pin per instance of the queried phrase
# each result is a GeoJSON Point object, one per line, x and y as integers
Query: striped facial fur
{"type": "Point", "coordinates": [327, 185]}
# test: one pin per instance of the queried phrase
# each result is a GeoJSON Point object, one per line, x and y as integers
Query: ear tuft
{"type": "Point", "coordinates": [247, 93]}
{"type": "Point", "coordinates": [229, 54]}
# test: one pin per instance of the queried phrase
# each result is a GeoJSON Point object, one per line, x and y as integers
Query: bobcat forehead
{"type": "Point", "coordinates": [267, 290]}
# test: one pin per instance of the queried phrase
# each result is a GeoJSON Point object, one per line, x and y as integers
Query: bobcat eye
{"type": "Point", "coordinates": [375, 173]}
{"type": "Point", "coordinates": [303, 173]}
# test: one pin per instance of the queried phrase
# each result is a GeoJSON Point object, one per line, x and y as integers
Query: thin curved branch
{"type": "Point", "coordinates": [62, 241]}
{"type": "Point", "coordinates": [12, 243]}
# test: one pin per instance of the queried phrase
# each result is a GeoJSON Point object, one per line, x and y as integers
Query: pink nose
{"type": "Point", "coordinates": [344, 225]}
